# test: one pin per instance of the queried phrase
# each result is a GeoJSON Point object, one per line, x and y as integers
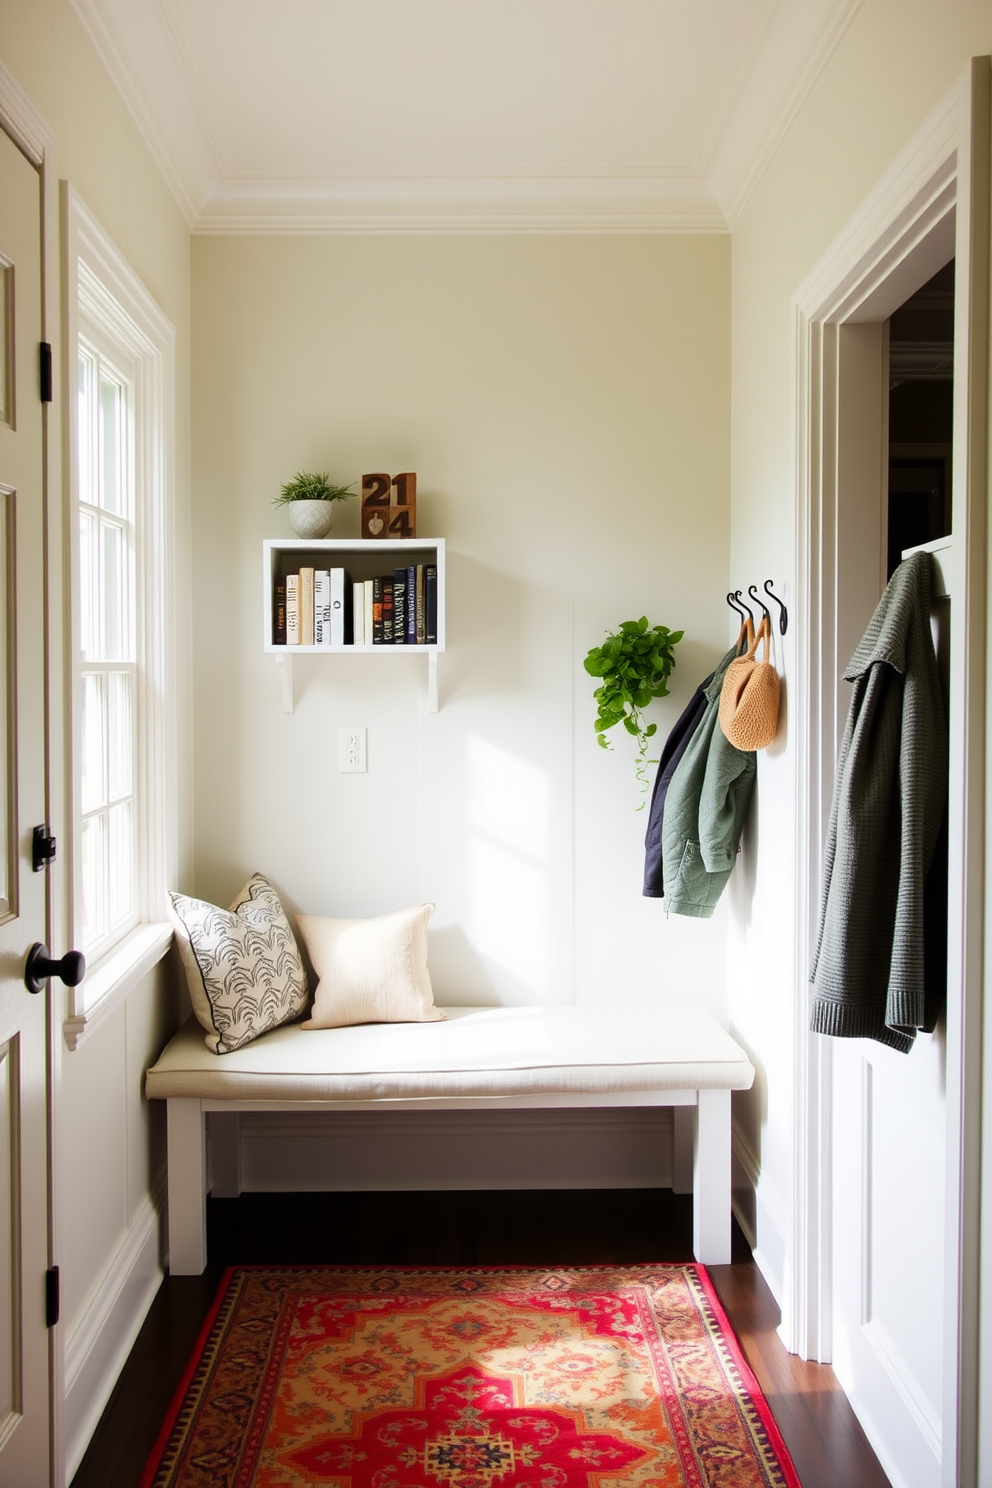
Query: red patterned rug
{"type": "Point", "coordinates": [358, 1378]}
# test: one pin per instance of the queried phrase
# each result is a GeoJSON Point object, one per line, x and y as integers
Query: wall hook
{"type": "Point", "coordinates": [752, 589]}
{"type": "Point", "coordinates": [783, 623]}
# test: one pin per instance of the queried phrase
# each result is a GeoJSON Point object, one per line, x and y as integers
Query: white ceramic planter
{"type": "Point", "coordinates": [310, 518]}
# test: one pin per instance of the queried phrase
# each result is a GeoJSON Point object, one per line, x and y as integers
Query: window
{"type": "Point", "coordinates": [107, 736]}
{"type": "Point", "coordinates": [122, 691]}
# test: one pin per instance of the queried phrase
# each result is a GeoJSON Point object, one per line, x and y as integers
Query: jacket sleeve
{"type": "Point", "coordinates": [723, 802]}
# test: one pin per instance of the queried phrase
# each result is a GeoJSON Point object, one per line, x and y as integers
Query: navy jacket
{"type": "Point", "coordinates": [675, 747]}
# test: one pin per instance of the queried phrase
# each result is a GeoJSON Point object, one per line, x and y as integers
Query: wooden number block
{"type": "Point", "coordinates": [403, 508]}
{"type": "Point", "coordinates": [375, 505]}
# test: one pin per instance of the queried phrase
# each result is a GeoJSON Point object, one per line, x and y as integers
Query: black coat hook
{"type": "Point", "coordinates": [744, 605]}
{"type": "Point", "coordinates": [734, 605]}
{"type": "Point", "coordinates": [752, 589]}
{"type": "Point", "coordinates": [783, 622]}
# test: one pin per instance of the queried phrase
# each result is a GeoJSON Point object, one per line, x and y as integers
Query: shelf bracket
{"type": "Point", "coordinates": [432, 682]}
{"type": "Point", "coordinates": [285, 665]}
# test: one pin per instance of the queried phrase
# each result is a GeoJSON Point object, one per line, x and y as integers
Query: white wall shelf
{"type": "Point", "coordinates": [362, 559]}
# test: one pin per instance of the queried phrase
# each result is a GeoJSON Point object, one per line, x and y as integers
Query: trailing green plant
{"type": "Point", "coordinates": [634, 664]}
{"type": "Point", "coordinates": [311, 486]}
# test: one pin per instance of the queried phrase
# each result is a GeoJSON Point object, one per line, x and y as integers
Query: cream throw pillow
{"type": "Point", "coordinates": [242, 964]}
{"type": "Point", "coordinates": [370, 971]}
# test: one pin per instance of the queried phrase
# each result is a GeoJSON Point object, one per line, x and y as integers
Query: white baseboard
{"type": "Point", "coordinates": [97, 1347]}
{"type": "Point", "coordinates": [761, 1213]}
{"type": "Point", "coordinates": [414, 1151]}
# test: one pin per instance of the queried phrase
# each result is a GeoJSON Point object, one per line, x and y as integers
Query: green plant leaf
{"type": "Point", "coordinates": [633, 666]}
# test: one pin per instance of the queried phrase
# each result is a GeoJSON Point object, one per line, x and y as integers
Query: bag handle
{"type": "Point", "coordinates": [762, 633]}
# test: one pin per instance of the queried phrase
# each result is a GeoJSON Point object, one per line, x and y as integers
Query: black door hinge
{"type": "Point", "coordinates": [45, 371]}
{"type": "Point", "coordinates": [51, 1297]}
{"type": "Point", "coordinates": [43, 848]}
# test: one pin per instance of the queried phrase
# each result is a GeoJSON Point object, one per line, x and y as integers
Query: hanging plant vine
{"type": "Point", "coordinates": [634, 664]}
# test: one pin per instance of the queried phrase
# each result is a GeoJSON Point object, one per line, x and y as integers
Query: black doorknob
{"type": "Point", "coordinates": [40, 966]}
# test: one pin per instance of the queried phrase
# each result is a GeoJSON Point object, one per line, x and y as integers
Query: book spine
{"type": "Point", "coordinates": [430, 603]}
{"type": "Point", "coordinates": [421, 604]}
{"type": "Point", "coordinates": [399, 607]}
{"type": "Point", "coordinates": [292, 609]}
{"type": "Point", "coordinates": [411, 605]}
{"type": "Point", "coordinates": [279, 613]}
{"type": "Point", "coordinates": [377, 611]}
{"type": "Point", "coordinates": [321, 607]}
{"type": "Point", "coordinates": [368, 612]}
{"type": "Point", "coordinates": [306, 606]}
{"type": "Point", "coordinates": [387, 610]}
{"type": "Point", "coordinates": [336, 616]}
{"type": "Point", "coordinates": [358, 614]}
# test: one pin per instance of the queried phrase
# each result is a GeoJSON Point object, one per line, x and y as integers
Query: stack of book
{"type": "Point", "coordinates": [324, 607]}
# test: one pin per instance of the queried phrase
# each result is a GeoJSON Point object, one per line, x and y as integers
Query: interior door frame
{"type": "Point", "coordinates": [933, 204]}
{"type": "Point", "coordinates": [26, 127]}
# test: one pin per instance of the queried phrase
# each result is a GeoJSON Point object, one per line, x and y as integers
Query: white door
{"type": "Point", "coordinates": [902, 1147]}
{"type": "Point", "coordinates": [24, 1157]}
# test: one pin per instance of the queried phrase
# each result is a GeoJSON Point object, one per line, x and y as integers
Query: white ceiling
{"type": "Point", "coordinates": [463, 115]}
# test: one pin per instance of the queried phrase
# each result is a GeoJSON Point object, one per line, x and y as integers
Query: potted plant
{"type": "Point", "coordinates": [634, 664]}
{"type": "Point", "coordinates": [310, 498]}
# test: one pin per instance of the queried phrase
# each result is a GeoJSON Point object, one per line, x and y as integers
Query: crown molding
{"type": "Point", "coordinates": [524, 204]}
{"type": "Point", "coordinates": [798, 46]}
{"type": "Point", "coordinates": [22, 121]}
{"type": "Point", "coordinates": [458, 225]}
{"type": "Point", "coordinates": [142, 50]}
{"type": "Point", "coordinates": [182, 159]}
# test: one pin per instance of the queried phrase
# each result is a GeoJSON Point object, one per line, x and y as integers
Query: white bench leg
{"type": "Point", "coordinates": [225, 1154]}
{"type": "Point", "coordinates": [187, 1188]}
{"type": "Point", "coordinates": [711, 1175]}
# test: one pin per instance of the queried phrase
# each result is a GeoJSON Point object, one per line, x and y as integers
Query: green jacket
{"type": "Point", "coordinates": [705, 808]}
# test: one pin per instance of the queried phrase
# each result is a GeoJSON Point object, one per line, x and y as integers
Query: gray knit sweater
{"type": "Point", "coordinates": [889, 800]}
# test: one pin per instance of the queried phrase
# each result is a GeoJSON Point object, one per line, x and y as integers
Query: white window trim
{"type": "Point", "coordinates": [97, 278]}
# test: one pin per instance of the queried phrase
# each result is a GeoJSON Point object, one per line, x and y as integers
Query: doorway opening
{"type": "Point", "coordinates": [921, 417]}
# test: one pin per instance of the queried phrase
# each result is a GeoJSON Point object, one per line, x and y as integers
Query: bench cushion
{"type": "Point", "coordinates": [478, 1052]}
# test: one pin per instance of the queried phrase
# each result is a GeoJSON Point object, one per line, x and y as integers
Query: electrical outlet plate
{"type": "Point", "coordinates": [352, 751]}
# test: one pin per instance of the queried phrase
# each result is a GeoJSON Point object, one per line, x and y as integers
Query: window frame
{"type": "Point", "coordinates": [108, 304]}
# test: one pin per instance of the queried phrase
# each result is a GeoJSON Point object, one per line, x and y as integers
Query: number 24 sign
{"type": "Point", "coordinates": [389, 507]}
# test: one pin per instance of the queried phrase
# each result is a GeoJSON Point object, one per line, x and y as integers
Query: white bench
{"type": "Point", "coordinates": [522, 1058]}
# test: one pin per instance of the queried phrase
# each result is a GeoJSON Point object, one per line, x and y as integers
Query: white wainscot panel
{"type": "Point", "coordinates": [9, 1217]}
{"type": "Point", "coordinates": [903, 1279]}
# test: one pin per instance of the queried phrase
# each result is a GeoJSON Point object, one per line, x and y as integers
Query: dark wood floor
{"type": "Point", "coordinates": [463, 1229]}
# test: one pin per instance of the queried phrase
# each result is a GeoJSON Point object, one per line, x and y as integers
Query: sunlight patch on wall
{"type": "Point", "coordinates": [509, 810]}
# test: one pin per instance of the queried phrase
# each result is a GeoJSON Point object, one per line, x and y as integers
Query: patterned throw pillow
{"type": "Point", "coordinates": [371, 971]}
{"type": "Point", "coordinates": [242, 964]}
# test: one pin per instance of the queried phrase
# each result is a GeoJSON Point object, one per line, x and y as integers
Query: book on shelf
{"type": "Point", "coordinates": [411, 605]}
{"type": "Point", "coordinates": [430, 604]}
{"type": "Point", "coordinates": [339, 629]}
{"type": "Point", "coordinates": [279, 613]}
{"type": "Point", "coordinates": [369, 599]}
{"type": "Point", "coordinates": [387, 609]}
{"type": "Point", "coordinates": [399, 606]}
{"type": "Point", "coordinates": [292, 609]}
{"type": "Point", "coordinates": [306, 606]}
{"type": "Point", "coordinates": [377, 610]}
{"type": "Point", "coordinates": [358, 614]}
{"type": "Point", "coordinates": [420, 606]}
{"type": "Point", "coordinates": [321, 607]}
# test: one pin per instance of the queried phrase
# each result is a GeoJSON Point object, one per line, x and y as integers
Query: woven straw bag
{"type": "Point", "coordinates": [749, 697]}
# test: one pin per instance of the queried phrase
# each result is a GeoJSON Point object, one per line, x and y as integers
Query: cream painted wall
{"type": "Point", "coordinates": [110, 1148]}
{"type": "Point", "coordinates": [564, 403]}
{"type": "Point", "coordinates": [893, 66]}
